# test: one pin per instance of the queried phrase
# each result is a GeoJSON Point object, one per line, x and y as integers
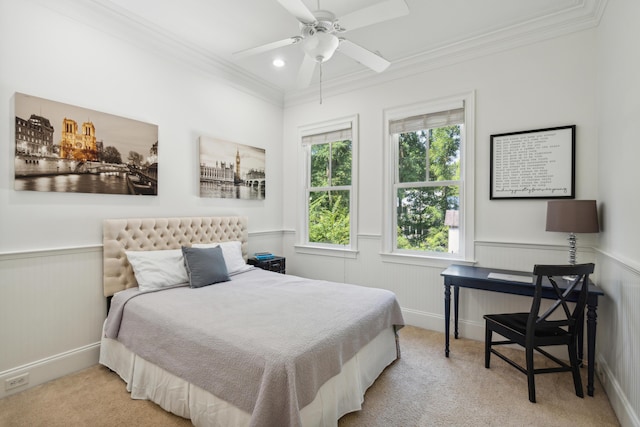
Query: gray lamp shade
{"type": "Point", "coordinates": [572, 216]}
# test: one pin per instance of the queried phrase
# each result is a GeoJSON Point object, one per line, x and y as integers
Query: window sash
{"type": "Point", "coordinates": [414, 123]}
{"type": "Point", "coordinates": [423, 185]}
{"type": "Point", "coordinates": [330, 132]}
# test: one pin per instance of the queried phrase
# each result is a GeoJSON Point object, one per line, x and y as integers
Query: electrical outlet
{"type": "Point", "coordinates": [15, 382]}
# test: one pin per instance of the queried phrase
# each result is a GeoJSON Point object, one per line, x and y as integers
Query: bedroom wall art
{"type": "Point", "coordinates": [65, 148]}
{"type": "Point", "coordinates": [534, 164]}
{"type": "Point", "coordinates": [231, 171]}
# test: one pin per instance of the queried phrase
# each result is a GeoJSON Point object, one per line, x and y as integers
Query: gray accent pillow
{"type": "Point", "coordinates": [205, 266]}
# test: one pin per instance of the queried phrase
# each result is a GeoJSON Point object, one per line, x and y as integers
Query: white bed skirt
{"type": "Point", "coordinates": [340, 395]}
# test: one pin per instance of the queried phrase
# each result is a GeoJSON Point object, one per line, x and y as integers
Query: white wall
{"type": "Point", "coordinates": [618, 94]}
{"type": "Point", "coordinates": [541, 85]}
{"type": "Point", "coordinates": [618, 110]}
{"type": "Point", "coordinates": [51, 303]}
{"type": "Point", "coordinates": [550, 83]}
{"type": "Point", "coordinates": [48, 55]}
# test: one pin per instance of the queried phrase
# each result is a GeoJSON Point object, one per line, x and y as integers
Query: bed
{"type": "Point", "coordinates": [256, 348]}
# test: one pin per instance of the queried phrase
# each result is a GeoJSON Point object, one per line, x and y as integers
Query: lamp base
{"type": "Point", "coordinates": [572, 248]}
{"type": "Point", "coordinates": [572, 255]}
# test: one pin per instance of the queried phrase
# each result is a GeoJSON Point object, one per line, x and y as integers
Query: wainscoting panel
{"type": "Point", "coordinates": [618, 342]}
{"type": "Point", "coordinates": [265, 241]}
{"type": "Point", "coordinates": [52, 309]}
{"type": "Point", "coordinates": [51, 312]}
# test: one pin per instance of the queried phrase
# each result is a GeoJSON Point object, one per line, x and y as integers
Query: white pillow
{"type": "Point", "coordinates": [232, 252]}
{"type": "Point", "coordinates": [158, 269]}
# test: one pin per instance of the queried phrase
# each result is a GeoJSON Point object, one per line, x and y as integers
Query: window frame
{"type": "Point", "coordinates": [466, 252]}
{"type": "Point", "coordinates": [304, 245]}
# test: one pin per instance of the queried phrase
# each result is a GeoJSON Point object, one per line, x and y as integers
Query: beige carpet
{"type": "Point", "coordinates": [422, 389]}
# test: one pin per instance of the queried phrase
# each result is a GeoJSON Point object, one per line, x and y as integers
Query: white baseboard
{"type": "Point", "coordinates": [423, 319]}
{"type": "Point", "coordinates": [435, 322]}
{"type": "Point", "coordinates": [621, 405]}
{"type": "Point", "coordinates": [50, 368]}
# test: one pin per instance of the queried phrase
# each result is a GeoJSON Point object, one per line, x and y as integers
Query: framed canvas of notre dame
{"type": "Point", "coordinates": [66, 148]}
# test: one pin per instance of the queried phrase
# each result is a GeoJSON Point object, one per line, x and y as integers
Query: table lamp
{"type": "Point", "coordinates": [572, 216]}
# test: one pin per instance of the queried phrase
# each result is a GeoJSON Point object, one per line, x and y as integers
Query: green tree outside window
{"type": "Point", "coordinates": [427, 158]}
{"type": "Point", "coordinates": [329, 193]}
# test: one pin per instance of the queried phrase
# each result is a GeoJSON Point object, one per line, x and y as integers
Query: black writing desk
{"type": "Point", "coordinates": [463, 276]}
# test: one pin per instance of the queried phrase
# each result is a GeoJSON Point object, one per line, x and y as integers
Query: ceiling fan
{"type": "Point", "coordinates": [320, 35]}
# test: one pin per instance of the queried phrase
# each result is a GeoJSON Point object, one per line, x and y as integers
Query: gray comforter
{"type": "Point", "coordinates": [265, 342]}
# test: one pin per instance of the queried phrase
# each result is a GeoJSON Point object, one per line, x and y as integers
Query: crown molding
{"type": "Point", "coordinates": [113, 20]}
{"type": "Point", "coordinates": [109, 18]}
{"type": "Point", "coordinates": [583, 15]}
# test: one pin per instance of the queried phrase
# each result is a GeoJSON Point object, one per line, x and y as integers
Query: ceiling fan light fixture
{"type": "Point", "coordinates": [320, 46]}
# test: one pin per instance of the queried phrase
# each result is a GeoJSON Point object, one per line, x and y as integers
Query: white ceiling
{"type": "Point", "coordinates": [433, 28]}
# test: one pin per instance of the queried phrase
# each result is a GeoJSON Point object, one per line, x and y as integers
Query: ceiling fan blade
{"type": "Point", "coordinates": [298, 9]}
{"type": "Point", "coordinates": [363, 56]}
{"type": "Point", "coordinates": [306, 72]}
{"type": "Point", "coordinates": [379, 12]}
{"type": "Point", "coordinates": [266, 47]}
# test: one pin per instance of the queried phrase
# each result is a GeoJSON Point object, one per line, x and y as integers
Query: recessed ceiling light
{"type": "Point", "coordinates": [278, 63]}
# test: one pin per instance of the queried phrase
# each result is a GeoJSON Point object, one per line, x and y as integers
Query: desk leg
{"type": "Point", "coordinates": [580, 349]}
{"type": "Point", "coordinates": [591, 345]}
{"type": "Point", "coordinates": [447, 316]}
{"type": "Point", "coordinates": [456, 298]}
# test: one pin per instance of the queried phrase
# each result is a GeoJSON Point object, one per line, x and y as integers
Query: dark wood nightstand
{"type": "Point", "coordinates": [277, 264]}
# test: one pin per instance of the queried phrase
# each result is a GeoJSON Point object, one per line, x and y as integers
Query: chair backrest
{"type": "Point", "coordinates": [573, 278]}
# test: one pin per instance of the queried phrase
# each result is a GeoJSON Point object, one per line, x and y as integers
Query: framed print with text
{"type": "Point", "coordinates": [536, 164]}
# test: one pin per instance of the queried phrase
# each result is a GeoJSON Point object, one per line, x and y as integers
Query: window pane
{"type": "Point", "coordinates": [428, 219]}
{"type": "Point", "coordinates": [341, 163]}
{"type": "Point", "coordinates": [320, 165]}
{"type": "Point", "coordinates": [329, 217]}
{"type": "Point", "coordinates": [412, 157]}
{"type": "Point", "coordinates": [439, 147]}
{"type": "Point", "coordinates": [444, 153]}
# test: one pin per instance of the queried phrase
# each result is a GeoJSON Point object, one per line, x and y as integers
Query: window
{"type": "Point", "coordinates": [329, 150]}
{"type": "Point", "coordinates": [429, 156]}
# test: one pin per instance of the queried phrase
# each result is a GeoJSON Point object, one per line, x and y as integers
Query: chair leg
{"type": "Point", "coordinates": [530, 374]}
{"type": "Point", "coordinates": [575, 369]}
{"type": "Point", "coordinates": [487, 346]}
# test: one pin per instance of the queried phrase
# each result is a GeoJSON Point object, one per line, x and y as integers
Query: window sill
{"type": "Point", "coordinates": [424, 260]}
{"type": "Point", "coordinates": [327, 251]}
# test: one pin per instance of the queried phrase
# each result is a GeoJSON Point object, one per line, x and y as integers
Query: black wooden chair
{"type": "Point", "coordinates": [534, 330]}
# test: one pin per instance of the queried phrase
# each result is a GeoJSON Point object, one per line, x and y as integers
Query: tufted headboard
{"type": "Point", "coordinates": [145, 234]}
